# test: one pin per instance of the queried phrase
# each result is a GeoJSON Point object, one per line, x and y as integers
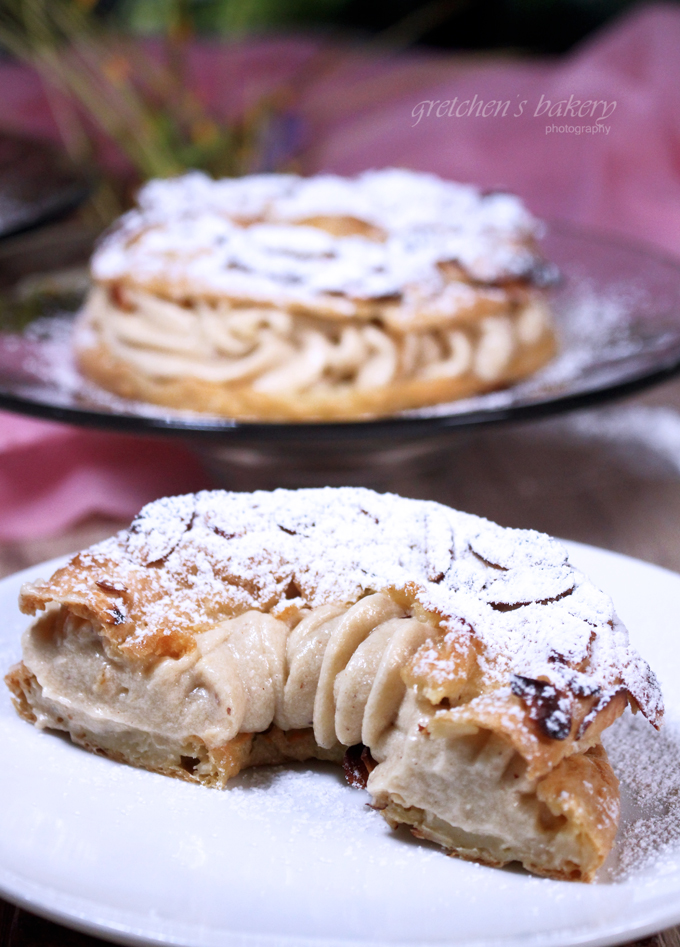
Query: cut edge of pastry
{"type": "Point", "coordinates": [555, 794]}
{"type": "Point", "coordinates": [190, 760]}
{"type": "Point", "coordinates": [587, 821]}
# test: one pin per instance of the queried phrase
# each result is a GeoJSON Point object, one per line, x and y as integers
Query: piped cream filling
{"type": "Point", "coordinates": [245, 674]}
{"type": "Point", "coordinates": [338, 671]}
{"type": "Point", "coordinates": [277, 351]}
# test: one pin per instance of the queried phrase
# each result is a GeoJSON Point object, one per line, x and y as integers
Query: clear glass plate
{"type": "Point", "coordinates": [617, 309]}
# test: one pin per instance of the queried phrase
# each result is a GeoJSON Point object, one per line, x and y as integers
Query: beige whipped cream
{"type": "Point", "coordinates": [338, 671]}
{"type": "Point", "coordinates": [277, 351]}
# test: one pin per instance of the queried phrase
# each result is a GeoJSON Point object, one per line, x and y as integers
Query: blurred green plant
{"type": "Point", "coordinates": [98, 77]}
{"type": "Point", "coordinates": [223, 16]}
{"type": "Point", "coordinates": [101, 76]}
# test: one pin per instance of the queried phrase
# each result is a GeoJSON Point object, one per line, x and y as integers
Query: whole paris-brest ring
{"type": "Point", "coordinates": [278, 297]}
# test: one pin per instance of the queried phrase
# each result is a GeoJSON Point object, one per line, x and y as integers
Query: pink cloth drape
{"type": "Point", "coordinates": [52, 475]}
{"type": "Point", "coordinates": [613, 163]}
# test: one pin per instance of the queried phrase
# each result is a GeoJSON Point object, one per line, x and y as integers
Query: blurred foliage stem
{"type": "Point", "coordinates": [139, 97]}
{"type": "Point", "coordinates": [101, 77]}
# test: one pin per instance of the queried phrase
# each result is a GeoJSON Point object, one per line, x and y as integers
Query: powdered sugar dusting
{"type": "Point", "coordinates": [648, 765]}
{"type": "Point", "coordinates": [251, 237]}
{"type": "Point", "coordinates": [532, 612]}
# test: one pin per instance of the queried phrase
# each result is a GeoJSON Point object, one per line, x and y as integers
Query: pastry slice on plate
{"type": "Point", "coordinates": [463, 672]}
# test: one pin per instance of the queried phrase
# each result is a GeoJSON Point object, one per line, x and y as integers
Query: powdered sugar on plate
{"type": "Point", "coordinates": [648, 765]}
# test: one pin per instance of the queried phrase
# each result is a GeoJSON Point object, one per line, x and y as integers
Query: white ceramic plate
{"type": "Point", "coordinates": [292, 856]}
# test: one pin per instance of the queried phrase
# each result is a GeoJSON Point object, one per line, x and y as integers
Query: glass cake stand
{"type": "Point", "coordinates": [617, 310]}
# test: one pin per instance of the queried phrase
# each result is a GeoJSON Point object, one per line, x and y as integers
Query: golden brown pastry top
{"type": "Point", "coordinates": [517, 630]}
{"type": "Point", "coordinates": [326, 243]}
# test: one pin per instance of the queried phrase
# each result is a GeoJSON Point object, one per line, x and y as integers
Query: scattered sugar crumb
{"type": "Point", "coordinates": [647, 763]}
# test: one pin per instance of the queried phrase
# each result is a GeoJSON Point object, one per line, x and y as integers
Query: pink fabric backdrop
{"type": "Point", "coordinates": [361, 109]}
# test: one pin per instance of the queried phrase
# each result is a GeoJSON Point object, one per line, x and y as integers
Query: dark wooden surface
{"type": "Point", "coordinates": [620, 494]}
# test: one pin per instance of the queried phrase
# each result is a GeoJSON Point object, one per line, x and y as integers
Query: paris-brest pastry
{"type": "Point", "coordinates": [464, 672]}
{"type": "Point", "coordinates": [278, 297]}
